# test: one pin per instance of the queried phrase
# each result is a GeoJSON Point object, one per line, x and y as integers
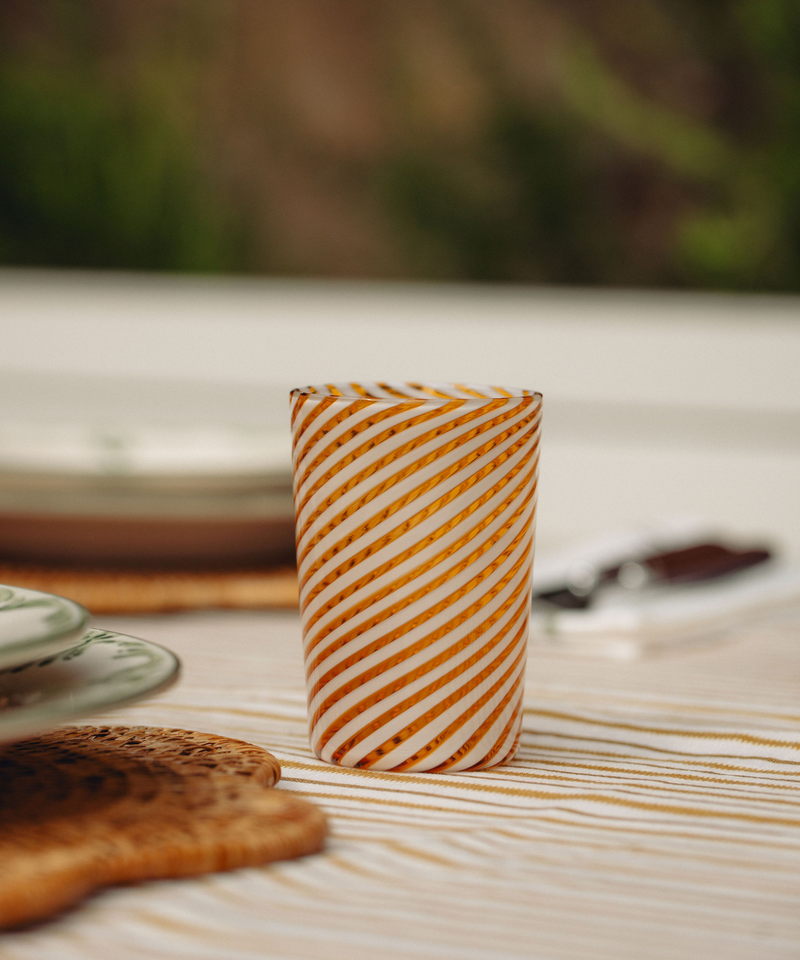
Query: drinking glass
{"type": "Point", "coordinates": [414, 507]}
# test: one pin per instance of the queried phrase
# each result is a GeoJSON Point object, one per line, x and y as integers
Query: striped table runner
{"type": "Point", "coordinates": [653, 812]}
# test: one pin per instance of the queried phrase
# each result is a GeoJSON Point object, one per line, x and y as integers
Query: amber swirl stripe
{"type": "Point", "coordinates": [415, 495]}
{"type": "Point", "coordinates": [484, 510]}
{"type": "Point", "coordinates": [415, 506]}
{"type": "Point", "coordinates": [337, 658]}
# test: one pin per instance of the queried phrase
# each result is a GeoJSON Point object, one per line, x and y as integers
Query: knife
{"type": "Point", "coordinates": [703, 561]}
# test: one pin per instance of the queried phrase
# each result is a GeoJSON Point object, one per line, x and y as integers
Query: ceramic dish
{"type": "Point", "coordinates": [95, 541]}
{"type": "Point", "coordinates": [103, 670]}
{"type": "Point", "coordinates": [99, 471]}
{"type": "Point", "coordinates": [123, 519]}
{"type": "Point", "coordinates": [34, 624]}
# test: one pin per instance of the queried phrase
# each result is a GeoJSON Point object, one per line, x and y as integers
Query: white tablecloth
{"type": "Point", "coordinates": [653, 812]}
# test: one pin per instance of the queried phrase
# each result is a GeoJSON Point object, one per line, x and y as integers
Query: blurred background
{"type": "Point", "coordinates": [530, 141]}
{"type": "Point", "coordinates": [204, 204]}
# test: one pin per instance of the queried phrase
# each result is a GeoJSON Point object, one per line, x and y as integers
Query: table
{"type": "Point", "coordinates": [654, 811]}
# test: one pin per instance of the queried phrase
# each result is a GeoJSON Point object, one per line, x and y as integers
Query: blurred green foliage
{"type": "Point", "coordinates": [540, 222]}
{"type": "Point", "coordinates": [661, 148]}
{"type": "Point", "coordinates": [90, 179]}
{"type": "Point", "coordinates": [734, 176]}
{"type": "Point", "coordinates": [747, 233]}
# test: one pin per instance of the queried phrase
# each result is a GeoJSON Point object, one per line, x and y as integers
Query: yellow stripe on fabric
{"type": "Point", "coordinates": [452, 782]}
{"type": "Point", "coordinates": [720, 796]}
{"type": "Point", "coordinates": [575, 797]}
{"type": "Point", "coordinates": [654, 749]}
{"type": "Point", "coordinates": [668, 732]}
{"type": "Point", "coordinates": [472, 784]}
{"type": "Point", "coordinates": [633, 773]}
{"type": "Point", "coordinates": [686, 758]}
{"type": "Point", "coordinates": [745, 796]}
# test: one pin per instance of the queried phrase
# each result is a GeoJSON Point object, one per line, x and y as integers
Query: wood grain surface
{"type": "Point", "coordinates": [653, 812]}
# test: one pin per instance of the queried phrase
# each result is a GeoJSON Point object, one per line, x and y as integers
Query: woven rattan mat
{"type": "Point", "coordinates": [142, 591]}
{"type": "Point", "coordinates": [86, 807]}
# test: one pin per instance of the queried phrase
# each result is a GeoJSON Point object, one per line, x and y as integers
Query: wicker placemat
{"type": "Point", "coordinates": [142, 591]}
{"type": "Point", "coordinates": [86, 807]}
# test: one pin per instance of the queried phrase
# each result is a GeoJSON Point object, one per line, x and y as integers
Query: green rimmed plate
{"type": "Point", "coordinates": [103, 670]}
{"type": "Point", "coordinates": [34, 624]}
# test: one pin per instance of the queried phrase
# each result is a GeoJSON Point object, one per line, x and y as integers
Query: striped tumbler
{"type": "Point", "coordinates": [414, 507]}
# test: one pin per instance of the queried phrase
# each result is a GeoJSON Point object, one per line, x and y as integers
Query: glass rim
{"type": "Point", "coordinates": [356, 390]}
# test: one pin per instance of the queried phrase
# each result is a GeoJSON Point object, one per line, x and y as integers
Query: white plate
{"type": "Point", "coordinates": [34, 624]}
{"type": "Point", "coordinates": [104, 670]}
{"type": "Point", "coordinates": [108, 470]}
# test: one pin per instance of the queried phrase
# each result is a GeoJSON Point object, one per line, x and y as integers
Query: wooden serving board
{"type": "Point", "coordinates": [87, 807]}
